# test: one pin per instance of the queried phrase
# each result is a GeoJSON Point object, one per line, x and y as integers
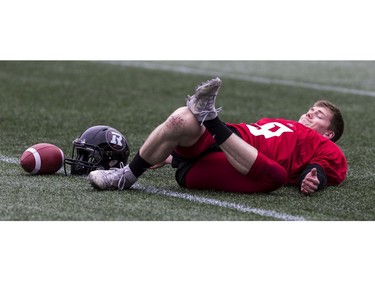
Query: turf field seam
{"type": "Point", "coordinates": [199, 199]}
{"type": "Point", "coordinates": [243, 77]}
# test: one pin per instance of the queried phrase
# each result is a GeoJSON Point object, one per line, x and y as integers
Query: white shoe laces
{"type": "Point", "coordinates": [117, 174]}
{"type": "Point", "coordinates": [205, 113]}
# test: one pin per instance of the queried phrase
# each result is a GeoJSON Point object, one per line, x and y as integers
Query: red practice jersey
{"type": "Point", "coordinates": [294, 146]}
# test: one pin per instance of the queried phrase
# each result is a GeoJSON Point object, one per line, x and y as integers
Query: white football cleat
{"type": "Point", "coordinates": [202, 103]}
{"type": "Point", "coordinates": [113, 179]}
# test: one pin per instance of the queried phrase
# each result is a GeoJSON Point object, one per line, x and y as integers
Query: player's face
{"type": "Point", "coordinates": [319, 119]}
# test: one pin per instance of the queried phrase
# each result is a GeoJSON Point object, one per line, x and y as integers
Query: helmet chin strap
{"type": "Point", "coordinates": [112, 163]}
{"type": "Point", "coordinates": [77, 168]}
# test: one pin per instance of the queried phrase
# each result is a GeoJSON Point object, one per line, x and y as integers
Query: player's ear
{"type": "Point", "coordinates": [329, 134]}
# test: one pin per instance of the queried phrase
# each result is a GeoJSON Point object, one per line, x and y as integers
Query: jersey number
{"type": "Point", "coordinates": [269, 130]}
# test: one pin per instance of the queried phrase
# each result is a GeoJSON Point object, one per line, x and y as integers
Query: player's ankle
{"type": "Point", "coordinates": [218, 130]}
{"type": "Point", "coordinates": [138, 165]}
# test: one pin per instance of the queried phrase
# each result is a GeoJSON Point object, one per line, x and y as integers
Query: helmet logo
{"type": "Point", "coordinates": [115, 140]}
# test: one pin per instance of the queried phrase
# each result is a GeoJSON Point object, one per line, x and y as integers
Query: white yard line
{"type": "Point", "coordinates": [243, 77]}
{"type": "Point", "coordinates": [200, 199]}
{"type": "Point", "coordinates": [9, 160]}
{"type": "Point", "coordinates": [219, 203]}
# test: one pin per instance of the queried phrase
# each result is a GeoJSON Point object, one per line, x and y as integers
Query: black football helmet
{"type": "Point", "coordinates": [99, 147]}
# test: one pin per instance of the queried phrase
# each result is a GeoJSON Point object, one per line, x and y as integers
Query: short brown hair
{"type": "Point", "coordinates": [337, 122]}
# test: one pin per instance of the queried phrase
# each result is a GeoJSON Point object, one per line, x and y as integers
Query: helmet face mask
{"type": "Point", "coordinates": [99, 147]}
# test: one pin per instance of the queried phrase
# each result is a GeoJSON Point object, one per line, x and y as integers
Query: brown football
{"type": "Point", "coordinates": [42, 159]}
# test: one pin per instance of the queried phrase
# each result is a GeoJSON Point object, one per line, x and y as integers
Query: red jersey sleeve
{"type": "Point", "coordinates": [330, 157]}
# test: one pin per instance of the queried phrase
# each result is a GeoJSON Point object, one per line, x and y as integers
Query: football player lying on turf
{"type": "Point", "coordinates": [248, 158]}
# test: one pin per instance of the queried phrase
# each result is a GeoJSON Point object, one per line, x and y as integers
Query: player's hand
{"type": "Point", "coordinates": [310, 183]}
{"type": "Point", "coordinates": [161, 164]}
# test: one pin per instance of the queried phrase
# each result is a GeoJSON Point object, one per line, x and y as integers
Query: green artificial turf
{"type": "Point", "coordinates": [55, 101]}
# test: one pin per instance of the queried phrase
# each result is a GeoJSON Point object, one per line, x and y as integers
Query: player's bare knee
{"type": "Point", "coordinates": [175, 122]}
{"type": "Point", "coordinates": [180, 120]}
{"type": "Point", "coordinates": [182, 127]}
